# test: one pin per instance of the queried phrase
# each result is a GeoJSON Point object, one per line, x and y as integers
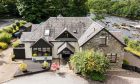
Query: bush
{"type": "Point", "coordinates": [88, 61]}
{"type": "Point", "coordinates": [45, 65]}
{"type": "Point", "coordinates": [16, 43]}
{"type": "Point", "coordinates": [5, 37]}
{"type": "Point", "coordinates": [126, 40]}
{"type": "Point", "coordinates": [97, 76]}
{"type": "Point", "coordinates": [8, 29]}
{"type": "Point", "coordinates": [3, 45]}
{"type": "Point", "coordinates": [1, 31]}
{"type": "Point", "coordinates": [23, 67]}
{"type": "Point", "coordinates": [125, 62]}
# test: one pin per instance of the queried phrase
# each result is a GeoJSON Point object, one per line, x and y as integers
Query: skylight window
{"type": "Point", "coordinates": [47, 32]}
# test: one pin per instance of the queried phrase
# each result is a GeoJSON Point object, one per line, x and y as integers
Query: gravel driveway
{"type": "Point", "coordinates": [65, 78]}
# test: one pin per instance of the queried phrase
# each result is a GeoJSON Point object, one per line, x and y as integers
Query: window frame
{"type": "Point", "coordinates": [111, 55]}
{"type": "Point", "coordinates": [105, 40]}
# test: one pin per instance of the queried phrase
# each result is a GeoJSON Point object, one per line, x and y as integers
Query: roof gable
{"type": "Point", "coordinates": [42, 43]}
{"type": "Point", "coordinates": [90, 32]}
{"type": "Point", "coordinates": [66, 34]}
{"type": "Point", "coordinates": [66, 46]}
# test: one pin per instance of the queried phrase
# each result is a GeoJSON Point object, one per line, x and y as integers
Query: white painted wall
{"type": "Point", "coordinates": [28, 50]}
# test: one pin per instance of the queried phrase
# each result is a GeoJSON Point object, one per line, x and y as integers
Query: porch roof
{"type": "Point", "coordinates": [64, 46]}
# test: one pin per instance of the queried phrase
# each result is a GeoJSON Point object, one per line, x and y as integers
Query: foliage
{"type": "Point", "coordinates": [133, 46]}
{"type": "Point", "coordinates": [97, 76]}
{"type": "Point", "coordinates": [5, 37]}
{"type": "Point", "coordinates": [1, 31]}
{"type": "Point", "coordinates": [88, 61]}
{"type": "Point", "coordinates": [8, 8]}
{"type": "Point", "coordinates": [45, 64]}
{"type": "Point", "coordinates": [38, 10]}
{"type": "Point", "coordinates": [132, 51]}
{"type": "Point", "coordinates": [3, 45]}
{"type": "Point", "coordinates": [45, 54]}
{"type": "Point", "coordinates": [125, 62]}
{"type": "Point", "coordinates": [16, 43]}
{"type": "Point", "coordinates": [34, 55]}
{"type": "Point", "coordinates": [23, 67]}
{"type": "Point", "coordinates": [126, 40]}
{"type": "Point", "coordinates": [125, 8]}
{"type": "Point", "coordinates": [8, 29]}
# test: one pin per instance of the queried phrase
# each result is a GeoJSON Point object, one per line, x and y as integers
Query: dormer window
{"type": "Point", "coordinates": [103, 40]}
{"type": "Point", "coordinates": [47, 32]}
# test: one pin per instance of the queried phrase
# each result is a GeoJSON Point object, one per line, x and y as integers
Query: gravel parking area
{"type": "Point", "coordinates": [69, 78]}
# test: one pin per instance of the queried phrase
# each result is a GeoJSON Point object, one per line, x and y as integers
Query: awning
{"type": "Point", "coordinates": [66, 47]}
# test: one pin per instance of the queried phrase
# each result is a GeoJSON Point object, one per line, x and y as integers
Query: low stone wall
{"type": "Point", "coordinates": [132, 59]}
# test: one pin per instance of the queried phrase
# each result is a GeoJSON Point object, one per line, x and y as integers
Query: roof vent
{"type": "Point", "coordinates": [47, 32]}
{"type": "Point", "coordinates": [74, 31]}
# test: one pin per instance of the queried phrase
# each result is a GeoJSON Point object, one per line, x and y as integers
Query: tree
{"type": "Point", "coordinates": [36, 11]}
{"type": "Point", "coordinates": [32, 10]}
{"type": "Point", "coordinates": [8, 7]}
{"type": "Point", "coordinates": [88, 62]}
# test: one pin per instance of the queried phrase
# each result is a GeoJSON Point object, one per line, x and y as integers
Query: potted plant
{"type": "Point", "coordinates": [23, 67]}
{"type": "Point", "coordinates": [45, 54]}
{"type": "Point", "coordinates": [34, 55]}
{"type": "Point", "coordinates": [13, 57]}
{"type": "Point", "coordinates": [45, 65]}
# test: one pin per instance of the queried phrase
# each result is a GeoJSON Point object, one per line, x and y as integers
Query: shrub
{"type": "Point", "coordinates": [8, 29]}
{"type": "Point", "coordinates": [5, 37]}
{"type": "Point", "coordinates": [23, 67]}
{"type": "Point", "coordinates": [16, 43]}
{"type": "Point", "coordinates": [1, 31]}
{"type": "Point", "coordinates": [45, 65]}
{"type": "Point", "coordinates": [125, 62]}
{"type": "Point", "coordinates": [126, 40]}
{"type": "Point", "coordinates": [97, 76]}
{"type": "Point", "coordinates": [3, 45]}
{"type": "Point", "coordinates": [88, 61]}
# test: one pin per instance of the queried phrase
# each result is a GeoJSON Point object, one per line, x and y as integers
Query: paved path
{"type": "Point", "coordinates": [8, 67]}
{"type": "Point", "coordinates": [7, 72]}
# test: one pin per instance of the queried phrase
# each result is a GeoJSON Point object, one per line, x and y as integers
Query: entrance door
{"type": "Point", "coordinates": [65, 58]}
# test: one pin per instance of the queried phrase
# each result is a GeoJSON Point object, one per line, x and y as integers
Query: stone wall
{"type": "Point", "coordinates": [132, 59]}
{"type": "Point", "coordinates": [113, 46]}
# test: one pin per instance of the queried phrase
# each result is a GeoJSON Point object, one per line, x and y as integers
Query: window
{"type": "Point", "coordinates": [42, 51]}
{"type": "Point", "coordinates": [112, 57]}
{"type": "Point", "coordinates": [103, 40]}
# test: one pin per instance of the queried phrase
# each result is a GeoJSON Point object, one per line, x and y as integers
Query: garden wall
{"type": "Point", "coordinates": [132, 59]}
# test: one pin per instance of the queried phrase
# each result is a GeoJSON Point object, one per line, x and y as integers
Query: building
{"type": "Point", "coordinates": [60, 37]}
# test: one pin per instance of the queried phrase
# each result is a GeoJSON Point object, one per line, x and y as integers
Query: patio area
{"type": "Point", "coordinates": [32, 68]}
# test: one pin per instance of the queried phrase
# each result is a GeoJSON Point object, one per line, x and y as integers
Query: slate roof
{"type": "Point", "coordinates": [86, 28]}
{"type": "Point", "coordinates": [90, 32]}
{"type": "Point", "coordinates": [65, 45]}
{"type": "Point", "coordinates": [56, 25]}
